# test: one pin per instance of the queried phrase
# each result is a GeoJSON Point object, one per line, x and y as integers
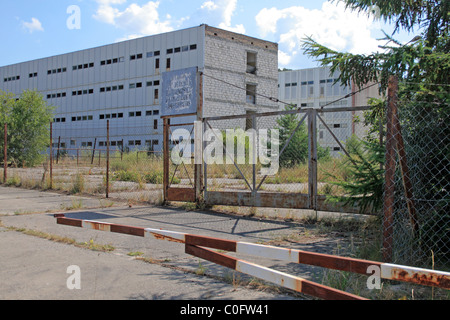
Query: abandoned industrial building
{"type": "Point", "coordinates": [121, 82]}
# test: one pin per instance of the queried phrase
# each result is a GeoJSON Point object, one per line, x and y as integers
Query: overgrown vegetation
{"type": "Point", "coordinates": [422, 66]}
{"type": "Point", "coordinates": [296, 152]}
{"type": "Point", "coordinates": [28, 119]}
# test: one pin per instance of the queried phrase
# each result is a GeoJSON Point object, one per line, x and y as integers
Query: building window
{"type": "Point", "coordinates": [193, 47]}
{"type": "Point", "coordinates": [249, 121]}
{"type": "Point", "coordinates": [168, 64]}
{"type": "Point", "coordinates": [155, 124]}
{"type": "Point", "coordinates": [251, 93]}
{"type": "Point", "coordinates": [156, 98]}
{"type": "Point", "coordinates": [251, 62]}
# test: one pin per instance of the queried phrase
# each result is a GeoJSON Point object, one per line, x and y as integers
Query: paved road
{"type": "Point", "coordinates": [36, 268]}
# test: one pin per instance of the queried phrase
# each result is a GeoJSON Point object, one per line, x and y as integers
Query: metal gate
{"type": "Point", "coordinates": [181, 180]}
{"type": "Point", "coordinates": [301, 142]}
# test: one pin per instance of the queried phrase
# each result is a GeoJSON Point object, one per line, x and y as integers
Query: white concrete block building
{"type": "Point", "coordinates": [315, 88]}
{"type": "Point", "coordinates": [121, 82]}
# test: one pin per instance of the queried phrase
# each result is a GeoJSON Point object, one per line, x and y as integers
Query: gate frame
{"type": "Point", "coordinates": [183, 194]}
{"type": "Point", "coordinates": [256, 198]}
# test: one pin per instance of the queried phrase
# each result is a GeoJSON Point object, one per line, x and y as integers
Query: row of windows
{"type": "Point", "coordinates": [82, 118]}
{"type": "Point", "coordinates": [82, 92]}
{"type": "Point", "coordinates": [11, 79]}
{"type": "Point", "coordinates": [182, 49]}
{"type": "Point", "coordinates": [135, 85]}
{"type": "Point", "coordinates": [54, 71]}
{"type": "Point", "coordinates": [136, 56]}
{"type": "Point", "coordinates": [119, 115]}
{"type": "Point", "coordinates": [112, 61]}
{"type": "Point", "coordinates": [83, 66]}
{"type": "Point", "coordinates": [112, 88]}
{"type": "Point", "coordinates": [110, 116]}
{"type": "Point", "coordinates": [304, 83]}
{"type": "Point", "coordinates": [106, 89]}
{"type": "Point", "coordinates": [59, 119]}
{"type": "Point", "coordinates": [56, 95]}
{"type": "Point", "coordinates": [120, 143]}
{"type": "Point", "coordinates": [112, 143]}
{"type": "Point", "coordinates": [327, 80]}
{"type": "Point", "coordinates": [154, 83]}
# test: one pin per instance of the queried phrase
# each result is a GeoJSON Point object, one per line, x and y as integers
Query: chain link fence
{"type": "Point", "coordinates": [417, 198]}
{"type": "Point", "coordinates": [320, 156]}
{"type": "Point", "coordinates": [116, 162]}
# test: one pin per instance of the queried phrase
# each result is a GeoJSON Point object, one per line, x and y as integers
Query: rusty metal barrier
{"type": "Point", "coordinates": [195, 245]}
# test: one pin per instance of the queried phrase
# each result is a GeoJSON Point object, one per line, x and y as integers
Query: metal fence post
{"type": "Point", "coordinates": [166, 158]}
{"type": "Point", "coordinates": [312, 158]}
{"type": "Point", "coordinates": [198, 145]}
{"type": "Point", "coordinates": [51, 155]}
{"type": "Point", "coordinates": [5, 155]}
{"type": "Point", "coordinates": [107, 159]}
{"type": "Point", "coordinates": [389, 187]}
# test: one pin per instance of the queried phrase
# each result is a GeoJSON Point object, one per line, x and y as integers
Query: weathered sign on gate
{"type": "Point", "coordinates": [179, 92]}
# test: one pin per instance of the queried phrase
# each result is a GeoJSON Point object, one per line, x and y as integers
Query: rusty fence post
{"type": "Point", "coordinates": [57, 153]}
{"type": "Point", "coordinates": [107, 159]}
{"type": "Point", "coordinates": [312, 158]}
{"type": "Point", "coordinates": [51, 155]}
{"type": "Point", "coordinates": [5, 155]}
{"type": "Point", "coordinates": [166, 158]}
{"type": "Point", "coordinates": [389, 187]}
{"type": "Point", "coordinates": [198, 143]}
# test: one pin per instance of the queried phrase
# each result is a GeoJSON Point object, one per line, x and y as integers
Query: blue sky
{"type": "Point", "coordinates": [32, 29]}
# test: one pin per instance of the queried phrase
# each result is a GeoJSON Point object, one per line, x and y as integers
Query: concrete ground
{"type": "Point", "coordinates": [36, 268]}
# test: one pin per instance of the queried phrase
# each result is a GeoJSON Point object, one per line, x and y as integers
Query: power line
{"type": "Point", "coordinates": [241, 88]}
{"type": "Point", "coordinates": [286, 103]}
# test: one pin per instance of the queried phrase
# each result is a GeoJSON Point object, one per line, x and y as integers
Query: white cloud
{"type": "Point", "coordinates": [283, 58]}
{"type": "Point", "coordinates": [332, 26]}
{"type": "Point", "coordinates": [220, 13]}
{"type": "Point", "coordinates": [209, 5]}
{"type": "Point", "coordinates": [135, 19]}
{"type": "Point", "coordinates": [34, 25]}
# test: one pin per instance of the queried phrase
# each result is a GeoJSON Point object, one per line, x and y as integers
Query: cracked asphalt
{"type": "Point", "coordinates": [34, 268]}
